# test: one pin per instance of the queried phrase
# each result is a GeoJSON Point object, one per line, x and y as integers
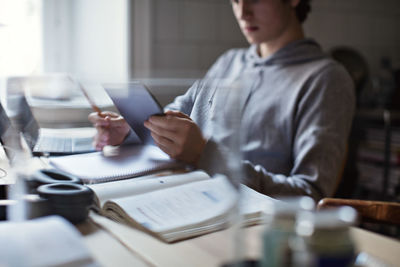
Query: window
{"type": "Point", "coordinates": [20, 37]}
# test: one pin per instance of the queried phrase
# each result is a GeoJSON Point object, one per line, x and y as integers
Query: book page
{"type": "Point", "coordinates": [252, 201]}
{"type": "Point", "coordinates": [179, 207]}
{"type": "Point", "coordinates": [252, 204]}
{"type": "Point", "coordinates": [49, 241]}
{"type": "Point", "coordinates": [140, 185]}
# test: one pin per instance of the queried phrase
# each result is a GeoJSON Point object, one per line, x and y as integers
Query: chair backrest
{"type": "Point", "coordinates": [354, 63]}
{"type": "Point", "coordinates": [357, 67]}
{"type": "Point", "coordinates": [369, 211]}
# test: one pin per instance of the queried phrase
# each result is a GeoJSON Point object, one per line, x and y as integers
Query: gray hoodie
{"type": "Point", "coordinates": [295, 109]}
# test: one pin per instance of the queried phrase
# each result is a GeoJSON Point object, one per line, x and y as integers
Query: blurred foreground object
{"type": "Point", "coordinates": [50, 241]}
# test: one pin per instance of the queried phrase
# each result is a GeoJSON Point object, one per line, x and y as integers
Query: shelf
{"type": "Point", "coordinates": [377, 114]}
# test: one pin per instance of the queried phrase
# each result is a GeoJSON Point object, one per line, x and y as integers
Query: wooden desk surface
{"type": "Point", "coordinates": [114, 244]}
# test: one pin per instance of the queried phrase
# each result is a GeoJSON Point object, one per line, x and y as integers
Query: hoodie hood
{"type": "Point", "coordinates": [296, 52]}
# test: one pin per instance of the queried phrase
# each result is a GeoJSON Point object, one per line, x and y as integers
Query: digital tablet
{"type": "Point", "coordinates": [136, 104]}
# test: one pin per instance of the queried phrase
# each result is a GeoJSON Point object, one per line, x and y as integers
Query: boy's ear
{"type": "Point", "coordinates": [294, 3]}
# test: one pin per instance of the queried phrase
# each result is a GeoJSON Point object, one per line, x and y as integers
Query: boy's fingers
{"type": "Point", "coordinates": [108, 113]}
{"type": "Point", "coordinates": [160, 140]}
{"type": "Point", "coordinates": [177, 114]}
{"type": "Point", "coordinates": [166, 133]}
{"type": "Point", "coordinates": [117, 121]}
{"type": "Point", "coordinates": [105, 116]}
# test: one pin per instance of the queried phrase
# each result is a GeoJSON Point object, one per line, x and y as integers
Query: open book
{"type": "Point", "coordinates": [179, 206]}
{"type": "Point", "coordinates": [116, 163]}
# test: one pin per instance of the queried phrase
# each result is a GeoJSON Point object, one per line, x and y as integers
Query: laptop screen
{"type": "Point", "coordinates": [9, 137]}
{"type": "Point", "coordinates": [24, 120]}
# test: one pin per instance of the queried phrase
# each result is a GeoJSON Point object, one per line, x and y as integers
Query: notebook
{"type": "Point", "coordinates": [46, 141]}
{"type": "Point", "coordinates": [136, 104]}
{"type": "Point", "coordinates": [115, 163]}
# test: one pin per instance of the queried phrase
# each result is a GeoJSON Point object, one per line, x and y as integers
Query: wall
{"type": "Point", "coordinates": [370, 26]}
{"type": "Point", "coordinates": [188, 35]}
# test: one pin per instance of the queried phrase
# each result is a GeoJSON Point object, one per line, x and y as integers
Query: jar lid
{"type": "Point", "coordinates": [328, 219]}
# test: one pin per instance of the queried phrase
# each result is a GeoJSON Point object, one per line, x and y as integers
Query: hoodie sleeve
{"type": "Point", "coordinates": [321, 127]}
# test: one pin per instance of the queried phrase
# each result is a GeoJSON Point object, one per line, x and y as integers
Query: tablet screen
{"type": "Point", "coordinates": [136, 104]}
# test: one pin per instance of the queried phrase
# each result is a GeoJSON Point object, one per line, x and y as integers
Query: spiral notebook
{"type": "Point", "coordinates": [121, 163]}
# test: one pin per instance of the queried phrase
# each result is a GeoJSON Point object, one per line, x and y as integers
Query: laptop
{"type": "Point", "coordinates": [136, 104]}
{"type": "Point", "coordinates": [9, 137]}
{"type": "Point", "coordinates": [47, 141]}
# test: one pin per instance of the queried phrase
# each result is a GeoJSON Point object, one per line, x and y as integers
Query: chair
{"type": "Point", "coordinates": [357, 67]}
{"type": "Point", "coordinates": [380, 213]}
{"type": "Point", "coordinates": [369, 211]}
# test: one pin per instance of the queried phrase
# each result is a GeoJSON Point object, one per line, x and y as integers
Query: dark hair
{"type": "Point", "coordinates": [302, 9]}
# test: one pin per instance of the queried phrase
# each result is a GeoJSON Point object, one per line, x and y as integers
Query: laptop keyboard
{"type": "Point", "coordinates": [64, 144]}
{"type": "Point", "coordinates": [54, 144]}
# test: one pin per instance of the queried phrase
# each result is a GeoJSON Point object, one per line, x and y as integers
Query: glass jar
{"type": "Point", "coordinates": [280, 227]}
{"type": "Point", "coordinates": [323, 238]}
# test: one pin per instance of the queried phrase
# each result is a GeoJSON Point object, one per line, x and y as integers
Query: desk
{"type": "Point", "coordinates": [114, 244]}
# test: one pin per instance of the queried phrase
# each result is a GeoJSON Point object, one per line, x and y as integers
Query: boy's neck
{"type": "Point", "coordinates": [293, 33]}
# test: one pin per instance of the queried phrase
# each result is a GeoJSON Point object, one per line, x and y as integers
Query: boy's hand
{"type": "Point", "coordinates": [111, 127]}
{"type": "Point", "coordinates": [177, 135]}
